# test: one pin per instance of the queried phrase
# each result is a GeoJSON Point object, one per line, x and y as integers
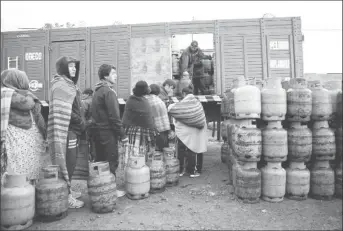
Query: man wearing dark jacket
{"type": "Point", "coordinates": [107, 125]}
{"type": "Point", "coordinates": [191, 62]}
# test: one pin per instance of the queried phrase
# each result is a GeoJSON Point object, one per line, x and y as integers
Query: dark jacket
{"type": "Point", "coordinates": [163, 94]}
{"type": "Point", "coordinates": [77, 121]}
{"type": "Point", "coordinates": [187, 60]}
{"type": "Point", "coordinates": [105, 109]}
{"type": "Point", "coordinates": [87, 103]}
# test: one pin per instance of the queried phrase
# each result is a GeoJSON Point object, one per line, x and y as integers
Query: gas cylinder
{"type": "Point", "coordinates": [173, 169]}
{"type": "Point", "coordinates": [274, 100]}
{"type": "Point", "coordinates": [228, 162]}
{"type": "Point", "coordinates": [322, 181]}
{"type": "Point", "coordinates": [246, 141]}
{"type": "Point", "coordinates": [338, 181]}
{"type": "Point", "coordinates": [273, 182]}
{"type": "Point", "coordinates": [51, 195]}
{"type": "Point", "coordinates": [231, 95]}
{"type": "Point", "coordinates": [297, 181]}
{"type": "Point", "coordinates": [247, 101]}
{"type": "Point", "coordinates": [299, 101]}
{"type": "Point", "coordinates": [339, 145]}
{"type": "Point", "coordinates": [323, 141]}
{"type": "Point", "coordinates": [248, 182]}
{"type": "Point", "coordinates": [207, 65]}
{"type": "Point", "coordinates": [233, 170]}
{"type": "Point", "coordinates": [321, 101]}
{"type": "Point", "coordinates": [223, 152]}
{"type": "Point", "coordinates": [158, 174]}
{"type": "Point", "coordinates": [285, 84]}
{"type": "Point", "coordinates": [225, 105]}
{"type": "Point", "coordinates": [299, 139]}
{"type": "Point", "coordinates": [274, 142]}
{"type": "Point", "coordinates": [102, 188]}
{"type": "Point", "coordinates": [168, 152]}
{"type": "Point", "coordinates": [17, 202]}
{"type": "Point", "coordinates": [335, 87]}
{"type": "Point", "coordinates": [137, 178]}
{"type": "Point", "coordinates": [223, 129]}
{"type": "Point", "coordinates": [175, 65]}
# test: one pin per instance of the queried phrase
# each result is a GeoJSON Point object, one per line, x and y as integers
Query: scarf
{"type": "Point", "coordinates": [137, 113]}
{"type": "Point", "coordinates": [189, 111]}
{"type": "Point", "coordinates": [159, 113]}
{"type": "Point", "coordinates": [62, 95]}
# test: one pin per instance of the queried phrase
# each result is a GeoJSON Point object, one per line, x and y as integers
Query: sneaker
{"type": "Point", "coordinates": [183, 172]}
{"type": "Point", "coordinates": [74, 203]}
{"type": "Point", "coordinates": [75, 194]}
{"type": "Point", "coordinates": [121, 193]}
{"type": "Point", "coordinates": [195, 174]}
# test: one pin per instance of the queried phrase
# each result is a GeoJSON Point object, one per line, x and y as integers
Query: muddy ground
{"type": "Point", "coordinates": [206, 202]}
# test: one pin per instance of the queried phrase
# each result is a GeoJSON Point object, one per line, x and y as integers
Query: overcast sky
{"type": "Point", "coordinates": [321, 20]}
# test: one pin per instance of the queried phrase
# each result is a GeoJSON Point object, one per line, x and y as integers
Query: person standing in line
{"type": "Point", "coordinates": [66, 124]}
{"type": "Point", "coordinates": [107, 128]}
{"type": "Point", "coordinates": [191, 132]}
{"type": "Point", "coordinates": [86, 139]}
{"type": "Point", "coordinates": [23, 129]}
{"type": "Point", "coordinates": [160, 116]}
{"type": "Point", "coordinates": [167, 90]}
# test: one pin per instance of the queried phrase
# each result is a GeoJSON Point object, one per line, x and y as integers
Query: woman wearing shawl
{"type": "Point", "coordinates": [23, 129]}
{"type": "Point", "coordinates": [160, 116]}
{"type": "Point", "coordinates": [66, 123]}
{"type": "Point", "coordinates": [190, 129]}
{"type": "Point", "coordinates": [138, 122]}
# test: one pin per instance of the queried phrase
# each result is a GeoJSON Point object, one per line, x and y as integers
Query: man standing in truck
{"type": "Point", "coordinates": [191, 62]}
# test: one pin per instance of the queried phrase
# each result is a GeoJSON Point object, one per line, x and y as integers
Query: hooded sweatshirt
{"type": "Point", "coordinates": [105, 109]}
{"type": "Point", "coordinates": [77, 121]}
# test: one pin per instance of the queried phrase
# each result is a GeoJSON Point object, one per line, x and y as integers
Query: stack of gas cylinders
{"type": "Point", "coordinates": [269, 146]}
{"type": "Point", "coordinates": [243, 147]}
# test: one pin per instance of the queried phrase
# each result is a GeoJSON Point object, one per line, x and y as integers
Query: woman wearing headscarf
{"type": "Point", "coordinates": [23, 129]}
{"type": "Point", "coordinates": [138, 122]}
{"type": "Point", "coordinates": [160, 117]}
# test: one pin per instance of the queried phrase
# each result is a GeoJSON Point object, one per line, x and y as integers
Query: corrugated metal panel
{"type": "Point", "coordinates": [35, 70]}
{"type": "Point", "coordinates": [23, 35]}
{"type": "Point", "coordinates": [73, 49]}
{"type": "Point", "coordinates": [124, 73]}
{"type": "Point", "coordinates": [102, 52]}
{"type": "Point", "coordinates": [191, 27]}
{"type": "Point", "coordinates": [147, 30]}
{"type": "Point", "coordinates": [109, 33]}
{"type": "Point", "coordinates": [68, 34]}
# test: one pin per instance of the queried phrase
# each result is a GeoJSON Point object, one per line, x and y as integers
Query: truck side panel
{"type": "Point", "coordinates": [257, 48]}
{"type": "Point", "coordinates": [27, 50]}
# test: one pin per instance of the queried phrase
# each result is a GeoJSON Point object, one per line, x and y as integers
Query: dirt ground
{"type": "Point", "coordinates": [202, 203]}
